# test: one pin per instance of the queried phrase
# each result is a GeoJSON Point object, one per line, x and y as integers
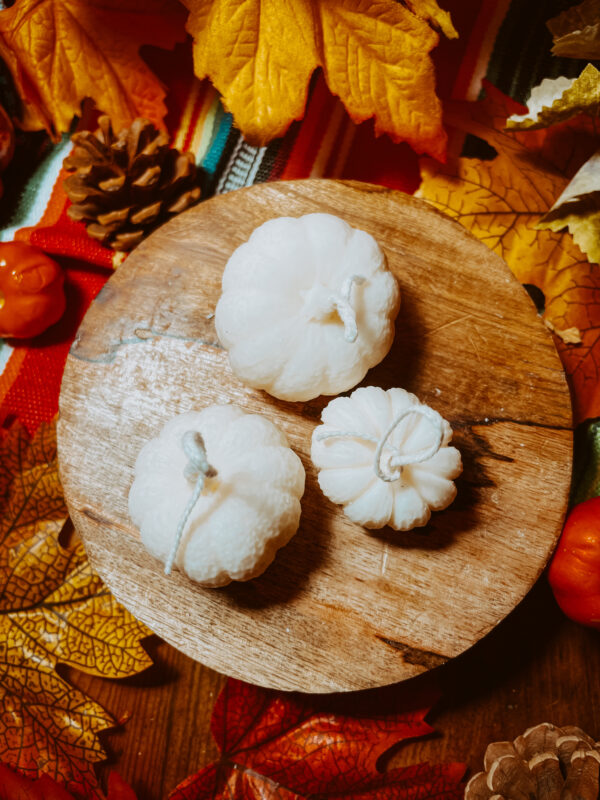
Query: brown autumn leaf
{"type": "Point", "coordinates": [61, 51]}
{"type": "Point", "coordinates": [557, 99]}
{"type": "Point", "coordinates": [576, 32]}
{"type": "Point", "coordinates": [501, 200]}
{"type": "Point", "coordinates": [53, 609]}
{"type": "Point", "coordinates": [260, 55]}
{"type": "Point", "coordinates": [578, 209]}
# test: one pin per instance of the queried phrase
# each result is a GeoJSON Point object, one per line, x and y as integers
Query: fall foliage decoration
{"type": "Point", "coordinates": [557, 99]}
{"type": "Point", "coordinates": [576, 32]}
{"type": "Point", "coordinates": [260, 55]}
{"type": "Point", "coordinates": [578, 206]}
{"type": "Point", "coordinates": [574, 573]}
{"type": "Point", "coordinates": [54, 609]}
{"type": "Point", "coordinates": [501, 200]}
{"type": "Point", "coordinates": [124, 185]}
{"type": "Point", "coordinates": [60, 52]}
{"type": "Point", "coordinates": [276, 746]}
{"type": "Point", "coordinates": [545, 763]}
{"type": "Point", "coordinates": [578, 209]}
{"type": "Point", "coordinates": [31, 290]}
{"type": "Point", "coordinates": [16, 787]}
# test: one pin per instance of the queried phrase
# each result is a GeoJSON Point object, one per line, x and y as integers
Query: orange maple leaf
{"type": "Point", "coordinates": [500, 200]}
{"type": "Point", "coordinates": [53, 609]}
{"type": "Point", "coordinates": [62, 51]}
{"type": "Point", "coordinates": [260, 55]}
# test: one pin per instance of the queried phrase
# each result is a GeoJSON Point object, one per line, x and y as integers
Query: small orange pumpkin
{"type": "Point", "coordinates": [31, 290]}
{"type": "Point", "coordinates": [574, 573]}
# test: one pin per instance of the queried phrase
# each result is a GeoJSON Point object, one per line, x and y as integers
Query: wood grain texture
{"type": "Point", "coordinates": [535, 666]}
{"type": "Point", "coordinates": [340, 608]}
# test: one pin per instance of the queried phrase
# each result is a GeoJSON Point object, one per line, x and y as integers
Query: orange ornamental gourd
{"type": "Point", "coordinates": [575, 569]}
{"type": "Point", "coordinates": [31, 290]}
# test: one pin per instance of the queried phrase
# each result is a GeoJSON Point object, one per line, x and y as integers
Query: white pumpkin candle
{"type": "Point", "coordinates": [385, 456]}
{"type": "Point", "coordinates": [308, 306]}
{"type": "Point", "coordinates": [248, 505]}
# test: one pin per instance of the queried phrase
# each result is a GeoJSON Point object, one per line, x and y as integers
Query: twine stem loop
{"type": "Point", "coordinates": [197, 469]}
{"type": "Point", "coordinates": [344, 308]}
{"type": "Point", "coordinates": [397, 460]}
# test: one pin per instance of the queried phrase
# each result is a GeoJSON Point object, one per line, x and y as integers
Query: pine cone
{"type": "Point", "coordinates": [125, 185]}
{"type": "Point", "coordinates": [546, 762]}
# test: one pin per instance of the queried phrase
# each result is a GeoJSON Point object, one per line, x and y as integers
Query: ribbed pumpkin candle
{"type": "Point", "coordinates": [386, 457]}
{"type": "Point", "coordinates": [308, 306]}
{"type": "Point", "coordinates": [217, 492]}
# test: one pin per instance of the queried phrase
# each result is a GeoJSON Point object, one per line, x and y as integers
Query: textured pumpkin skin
{"type": "Point", "coordinates": [31, 290]}
{"type": "Point", "coordinates": [272, 315]}
{"type": "Point", "coordinates": [346, 464]}
{"type": "Point", "coordinates": [244, 514]}
{"type": "Point", "coordinates": [574, 573]}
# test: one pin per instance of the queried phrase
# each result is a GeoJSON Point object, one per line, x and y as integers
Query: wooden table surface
{"type": "Point", "coordinates": [535, 666]}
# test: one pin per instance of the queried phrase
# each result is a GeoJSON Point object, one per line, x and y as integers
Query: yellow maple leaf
{"type": "Point", "coordinates": [62, 51]}
{"type": "Point", "coordinates": [53, 609]}
{"type": "Point", "coordinates": [260, 55]}
{"type": "Point", "coordinates": [501, 200]}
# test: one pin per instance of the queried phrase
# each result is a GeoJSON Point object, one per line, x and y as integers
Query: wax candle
{"type": "Point", "coordinates": [386, 457]}
{"type": "Point", "coordinates": [307, 307]}
{"type": "Point", "coordinates": [217, 493]}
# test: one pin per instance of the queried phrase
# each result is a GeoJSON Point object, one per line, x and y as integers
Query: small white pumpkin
{"type": "Point", "coordinates": [385, 456]}
{"type": "Point", "coordinates": [308, 306]}
{"type": "Point", "coordinates": [244, 513]}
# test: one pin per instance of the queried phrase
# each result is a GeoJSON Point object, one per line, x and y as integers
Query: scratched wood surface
{"type": "Point", "coordinates": [340, 609]}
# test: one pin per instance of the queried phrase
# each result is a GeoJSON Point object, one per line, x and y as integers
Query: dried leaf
{"type": "Point", "coordinates": [53, 609]}
{"type": "Point", "coordinates": [260, 55]}
{"type": "Point", "coordinates": [568, 336]}
{"type": "Point", "coordinates": [578, 209]}
{"type": "Point", "coordinates": [557, 99]}
{"type": "Point", "coordinates": [16, 787]}
{"type": "Point", "coordinates": [501, 200]}
{"type": "Point", "coordinates": [277, 746]}
{"type": "Point", "coordinates": [62, 51]}
{"type": "Point", "coordinates": [576, 32]}
{"type": "Point", "coordinates": [432, 13]}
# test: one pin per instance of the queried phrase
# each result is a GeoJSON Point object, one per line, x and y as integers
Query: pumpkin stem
{"type": "Point", "coordinates": [396, 460]}
{"type": "Point", "coordinates": [344, 307]}
{"type": "Point", "coordinates": [197, 469]}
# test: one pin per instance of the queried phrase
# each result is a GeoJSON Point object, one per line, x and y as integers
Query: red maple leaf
{"type": "Point", "coordinates": [276, 746]}
{"type": "Point", "coordinates": [14, 786]}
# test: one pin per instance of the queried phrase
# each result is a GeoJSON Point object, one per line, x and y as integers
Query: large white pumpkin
{"type": "Point", "coordinates": [244, 514]}
{"type": "Point", "coordinates": [345, 450]}
{"type": "Point", "coordinates": [308, 306]}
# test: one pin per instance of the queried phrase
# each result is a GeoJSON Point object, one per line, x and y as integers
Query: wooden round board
{"type": "Point", "coordinates": [341, 608]}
